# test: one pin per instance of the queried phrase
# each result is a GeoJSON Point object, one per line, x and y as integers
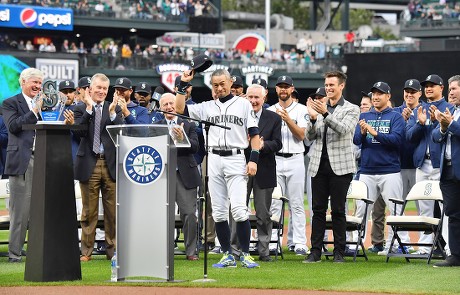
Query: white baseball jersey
{"type": "Point", "coordinates": [235, 113]}
{"type": "Point", "coordinates": [299, 114]}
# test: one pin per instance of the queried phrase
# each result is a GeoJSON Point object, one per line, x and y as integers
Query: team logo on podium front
{"type": "Point", "coordinates": [143, 165]}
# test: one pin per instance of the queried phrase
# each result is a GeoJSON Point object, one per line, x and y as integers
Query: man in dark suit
{"type": "Point", "coordinates": [188, 176]}
{"type": "Point", "coordinates": [448, 135]}
{"type": "Point", "coordinates": [263, 183]}
{"type": "Point", "coordinates": [18, 111]}
{"type": "Point", "coordinates": [95, 163]}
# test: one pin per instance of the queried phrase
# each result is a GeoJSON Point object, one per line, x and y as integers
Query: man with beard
{"type": "Point", "coordinates": [132, 112]}
{"type": "Point", "coordinates": [290, 165]}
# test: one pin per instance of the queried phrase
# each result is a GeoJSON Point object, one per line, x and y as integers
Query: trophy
{"type": "Point", "coordinates": [53, 103]}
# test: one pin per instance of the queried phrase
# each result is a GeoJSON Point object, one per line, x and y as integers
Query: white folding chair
{"type": "Point", "coordinates": [423, 190]}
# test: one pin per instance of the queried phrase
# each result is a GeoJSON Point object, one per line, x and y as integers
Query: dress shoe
{"type": "Point", "coordinates": [338, 258]}
{"type": "Point", "coordinates": [85, 258]}
{"type": "Point", "coordinates": [193, 258]}
{"type": "Point", "coordinates": [14, 260]}
{"type": "Point", "coordinates": [265, 258]}
{"type": "Point", "coordinates": [312, 258]}
{"type": "Point", "coordinates": [449, 262]}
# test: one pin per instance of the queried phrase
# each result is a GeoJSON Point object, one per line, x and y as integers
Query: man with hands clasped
{"type": "Point", "coordinates": [332, 162]}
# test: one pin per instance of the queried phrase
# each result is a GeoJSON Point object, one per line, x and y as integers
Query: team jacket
{"type": "Point", "coordinates": [421, 134]}
{"type": "Point", "coordinates": [380, 154]}
{"type": "Point", "coordinates": [139, 114]}
{"type": "Point", "coordinates": [407, 148]}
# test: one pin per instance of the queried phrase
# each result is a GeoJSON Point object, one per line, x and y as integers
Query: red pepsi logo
{"type": "Point", "coordinates": [29, 17]}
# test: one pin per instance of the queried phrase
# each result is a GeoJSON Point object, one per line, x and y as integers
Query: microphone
{"type": "Point", "coordinates": [155, 98]}
{"type": "Point", "coordinates": [157, 94]}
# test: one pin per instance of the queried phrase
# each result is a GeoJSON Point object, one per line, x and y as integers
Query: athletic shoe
{"type": "Point", "coordinates": [395, 250]}
{"type": "Point", "coordinates": [420, 252]}
{"type": "Point", "coordinates": [248, 261]}
{"type": "Point", "coordinates": [301, 252]}
{"type": "Point", "coordinates": [376, 248]}
{"type": "Point", "coordinates": [226, 261]}
{"type": "Point", "coordinates": [216, 250]}
{"type": "Point", "coordinates": [291, 248]}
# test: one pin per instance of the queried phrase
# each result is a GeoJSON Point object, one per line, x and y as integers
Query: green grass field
{"type": "Point", "coordinates": [375, 275]}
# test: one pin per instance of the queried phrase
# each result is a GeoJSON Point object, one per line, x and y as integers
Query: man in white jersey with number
{"type": "Point", "coordinates": [228, 172]}
{"type": "Point", "coordinates": [290, 165]}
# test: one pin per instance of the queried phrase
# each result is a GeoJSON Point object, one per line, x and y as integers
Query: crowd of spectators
{"type": "Point", "coordinates": [433, 12]}
{"type": "Point", "coordinates": [158, 10]}
{"type": "Point", "coordinates": [123, 56]}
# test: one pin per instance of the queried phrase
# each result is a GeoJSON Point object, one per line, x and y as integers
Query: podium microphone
{"type": "Point", "coordinates": [156, 97]}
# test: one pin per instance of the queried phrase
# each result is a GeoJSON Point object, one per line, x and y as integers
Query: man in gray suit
{"type": "Point", "coordinates": [332, 163]}
{"type": "Point", "coordinates": [18, 111]}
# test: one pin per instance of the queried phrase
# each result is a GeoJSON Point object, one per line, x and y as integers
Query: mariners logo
{"type": "Point", "coordinates": [29, 17]}
{"type": "Point", "coordinates": [143, 165]}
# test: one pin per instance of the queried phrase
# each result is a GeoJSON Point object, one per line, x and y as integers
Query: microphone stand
{"type": "Point", "coordinates": [207, 125]}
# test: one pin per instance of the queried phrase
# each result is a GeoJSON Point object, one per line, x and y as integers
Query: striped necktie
{"type": "Point", "coordinates": [97, 129]}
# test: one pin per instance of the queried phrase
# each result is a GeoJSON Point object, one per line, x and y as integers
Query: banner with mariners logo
{"type": "Point", "coordinates": [35, 17]}
{"type": "Point", "coordinates": [169, 72]}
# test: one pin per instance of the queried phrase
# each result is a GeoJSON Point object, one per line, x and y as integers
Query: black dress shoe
{"type": "Point", "coordinates": [338, 258]}
{"type": "Point", "coordinates": [312, 258]}
{"type": "Point", "coordinates": [449, 262]}
{"type": "Point", "coordinates": [265, 258]}
{"type": "Point", "coordinates": [14, 260]}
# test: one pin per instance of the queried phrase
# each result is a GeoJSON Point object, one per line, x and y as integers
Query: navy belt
{"type": "Point", "coordinates": [226, 153]}
{"type": "Point", "coordinates": [286, 155]}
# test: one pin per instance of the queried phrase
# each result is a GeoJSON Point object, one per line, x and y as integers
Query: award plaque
{"type": "Point", "coordinates": [53, 103]}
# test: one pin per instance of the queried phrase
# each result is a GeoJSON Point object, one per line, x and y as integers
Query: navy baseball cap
{"type": "Point", "coordinates": [200, 63]}
{"type": "Point", "coordinates": [143, 87]}
{"type": "Point", "coordinates": [84, 82]}
{"type": "Point", "coordinates": [123, 83]}
{"type": "Point", "coordinates": [284, 80]}
{"type": "Point", "coordinates": [177, 82]}
{"type": "Point", "coordinates": [319, 92]}
{"type": "Point", "coordinates": [260, 82]}
{"type": "Point", "coordinates": [366, 94]}
{"type": "Point", "coordinates": [381, 87]}
{"type": "Point", "coordinates": [237, 81]}
{"type": "Point", "coordinates": [413, 84]}
{"type": "Point", "coordinates": [435, 79]}
{"type": "Point", "coordinates": [66, 84]}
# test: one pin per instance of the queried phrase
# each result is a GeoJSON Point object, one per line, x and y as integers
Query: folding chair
{"type": "Point", "coordinates": [423, 190]}
{"type": "Point", "coordinates": [278, 222]}
{"type": "Point", "coordinates": [357, 192]}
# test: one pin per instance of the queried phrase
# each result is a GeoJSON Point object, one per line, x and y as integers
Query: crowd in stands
{"type": "Point", "coordinates": [123, 56]}
{"type": "Point", "coordinates": [158, 10]}
{"type": "Point", "coordinates": [431, 12]}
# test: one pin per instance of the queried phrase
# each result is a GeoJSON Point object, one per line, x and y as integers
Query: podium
{"type": "Point", "coordinates": [145, 189]}
{"type": "Point", "coordinates": [52, 252]}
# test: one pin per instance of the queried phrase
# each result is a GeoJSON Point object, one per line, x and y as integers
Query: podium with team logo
{"type": "Point", "coordinates": [146, 188]}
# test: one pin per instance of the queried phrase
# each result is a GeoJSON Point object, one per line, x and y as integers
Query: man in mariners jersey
{"type": "Point", "coordinates": [228, 171]}
{"type": "Point", "coordinates": [380, 132]}
{"type": "Point", "coordinates": [132, 112]}
{"type": "Point", "coordinates": [290, 165]}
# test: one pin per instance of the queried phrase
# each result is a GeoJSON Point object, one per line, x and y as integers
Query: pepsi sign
{"type": "Point", "coordinates": [17, 16]}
